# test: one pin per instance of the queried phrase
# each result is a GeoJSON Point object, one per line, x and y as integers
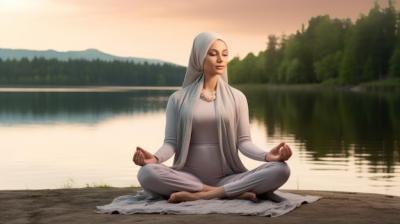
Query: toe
{"type": "Point", "coordinates": [172, 198]}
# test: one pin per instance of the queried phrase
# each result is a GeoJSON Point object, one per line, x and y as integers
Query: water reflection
{"type": "Point", "coordinates": [334, 124]}
{"type": "Point", "coordinates": [76, 107]}
{"type": "Point", "coordinates": [342, 140]}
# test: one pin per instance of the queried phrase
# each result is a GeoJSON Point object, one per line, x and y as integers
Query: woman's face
{"type": "Point", "coordinates": [216, 58]}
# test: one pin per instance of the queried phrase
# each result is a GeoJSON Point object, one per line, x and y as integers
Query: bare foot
{"type": "Point", "coordinates": [208, 188]}
{"type": "Point", "coordinates": [181, 196]}
{"type": "Point", "coordinates": [248, 196]}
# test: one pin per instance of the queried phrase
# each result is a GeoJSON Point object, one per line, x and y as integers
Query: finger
{"type": "Point", "coordinates": [289, 152]}
{"type": "Point", "coordinates": [282, 145]}
{"type": "Point", "coordinates": [286, 153]}
{"type": "Point", "coordinates": [146, 153]}
{"type": "Point", "coordinates": [282, 154]}
{"type": "Point", "coordinates": [141, 158]}
{"type": "Point", "coordinates": [277, 148]}
{"type": "Point", "coordinates": [136, 158]}
{"type": "Point", "coordinates": [142, 150]}
{"type": "Point", "coordinates": [138, 151]}
{"type": "Point", "coordinates": [137, 154]}
{"type": "Point", "coordinates": [286, 148]}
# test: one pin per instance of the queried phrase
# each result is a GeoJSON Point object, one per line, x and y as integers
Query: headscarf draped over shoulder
{"type": "Point", "coordinates": [225, 108]}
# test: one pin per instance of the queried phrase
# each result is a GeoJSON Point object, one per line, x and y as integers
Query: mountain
{"type": "Point", "coordinates": [88, 54]}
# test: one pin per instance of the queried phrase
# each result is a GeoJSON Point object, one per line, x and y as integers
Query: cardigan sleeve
{"type": "Point", "coordinates": [245, 144]}
{"type": "Point", "coordinates": [169, 146]}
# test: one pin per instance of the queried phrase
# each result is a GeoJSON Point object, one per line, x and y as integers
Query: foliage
{"type": "Point", "coordinates": [329, 50]}
{"type": "Point", "coordinates": [41, 71]}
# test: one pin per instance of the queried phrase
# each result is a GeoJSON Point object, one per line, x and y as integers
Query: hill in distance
{"type": "Point", "coordinates": [88, 54]}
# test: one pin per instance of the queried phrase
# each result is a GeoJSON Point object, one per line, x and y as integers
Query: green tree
{"type": "Point", "coordinates": [370, 46]}
{"type": "Point", "coordinates": [273, 57]}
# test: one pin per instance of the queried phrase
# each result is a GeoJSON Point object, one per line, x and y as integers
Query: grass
{"type": "Point", "coordinates": [107, 186]}
{"type": "Point", "coordinates": [98, 185]}
{"type": "Point", "coordinates": [70, 183]}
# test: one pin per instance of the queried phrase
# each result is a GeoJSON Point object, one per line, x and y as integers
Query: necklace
{"type": "Point", "coordinates": [207, 96]}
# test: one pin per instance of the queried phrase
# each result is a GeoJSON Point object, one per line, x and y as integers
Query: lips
{"type": "Point", "coordinates": [220, 67]}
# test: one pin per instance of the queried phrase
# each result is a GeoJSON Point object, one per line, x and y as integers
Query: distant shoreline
{"type": "Point", "coordinates": [82, 88]}
{"type": "Point", "coordinates": [390, 85]}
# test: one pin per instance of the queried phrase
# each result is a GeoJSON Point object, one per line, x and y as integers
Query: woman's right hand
{"type": "Point", "coordinates": [280, 152]}
{"type": "Point", "coordinates": [142, 157]}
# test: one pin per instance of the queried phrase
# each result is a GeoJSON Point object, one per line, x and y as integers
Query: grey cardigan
{"type": "Point", "coordinates": [244, 142]}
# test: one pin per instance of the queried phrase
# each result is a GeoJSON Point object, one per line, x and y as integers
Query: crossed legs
{"type": "Point", "coordinates": [182, 186]}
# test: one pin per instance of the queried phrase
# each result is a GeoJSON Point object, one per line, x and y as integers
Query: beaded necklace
{"type": "Point", "coordinates": [207, 96]}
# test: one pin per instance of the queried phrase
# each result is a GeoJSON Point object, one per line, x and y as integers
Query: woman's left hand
{"type": "Point", "coordinates": [280, 152]}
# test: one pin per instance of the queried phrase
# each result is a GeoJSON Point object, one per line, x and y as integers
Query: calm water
{"type": "Point", "coordinates": [342, 141]}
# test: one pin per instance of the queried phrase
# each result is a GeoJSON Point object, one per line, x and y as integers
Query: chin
{"type": "Point", "coordinates": [219, 72]}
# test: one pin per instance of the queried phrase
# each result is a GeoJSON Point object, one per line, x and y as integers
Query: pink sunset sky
{"type": "Point", "coordinates": [159, 29]}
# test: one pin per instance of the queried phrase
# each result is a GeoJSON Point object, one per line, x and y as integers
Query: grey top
{"type": "Point", "coordinates": [204, 130]}
{"type": "Point", "coordinates": [204, 125]}
{"type": "Point", "coordinates": [204, 159]}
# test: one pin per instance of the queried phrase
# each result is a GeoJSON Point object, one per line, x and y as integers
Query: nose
{"type": "Point", "coordinates": [219, 59]}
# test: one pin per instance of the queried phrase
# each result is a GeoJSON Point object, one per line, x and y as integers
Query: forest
{"type": "Point", "coordinates": [41, 71]}
{"type": "Point", "coordinates": [328, 50]}
{"type": "Point", "coordinates": [335, 51]}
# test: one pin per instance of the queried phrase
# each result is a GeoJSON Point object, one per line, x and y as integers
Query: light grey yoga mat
{"type": "Point", "coordinates": [144, 202]}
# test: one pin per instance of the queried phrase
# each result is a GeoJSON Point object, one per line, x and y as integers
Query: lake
{"type": "Point", "coordinates": [74, 137]}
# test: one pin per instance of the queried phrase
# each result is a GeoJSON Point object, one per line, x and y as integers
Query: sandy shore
{"type": "Point", "coordinates": [78, 205]}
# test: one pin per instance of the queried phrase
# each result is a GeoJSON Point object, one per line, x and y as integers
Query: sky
{"type": "Point", "coordinates": [160, 29]}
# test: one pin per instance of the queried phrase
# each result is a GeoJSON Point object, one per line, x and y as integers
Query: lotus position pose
{"type": "Point", "coordinates": [207, 123]}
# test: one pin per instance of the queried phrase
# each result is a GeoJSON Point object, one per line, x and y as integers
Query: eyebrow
{"type": "Point", "coordinates": [217, 50]}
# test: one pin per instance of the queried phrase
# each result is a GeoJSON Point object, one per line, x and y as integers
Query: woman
{"type": "Point", "coordinates": [207, 122]}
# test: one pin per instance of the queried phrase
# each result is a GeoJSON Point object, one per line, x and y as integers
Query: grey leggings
{"type": "Point", "coordinates": [163, 180]}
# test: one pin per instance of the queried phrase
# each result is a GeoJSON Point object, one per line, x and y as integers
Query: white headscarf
{"type": "Point", "coordinates": [225, 108]}
{"type": "Point", "coordinates": [201, 44]}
